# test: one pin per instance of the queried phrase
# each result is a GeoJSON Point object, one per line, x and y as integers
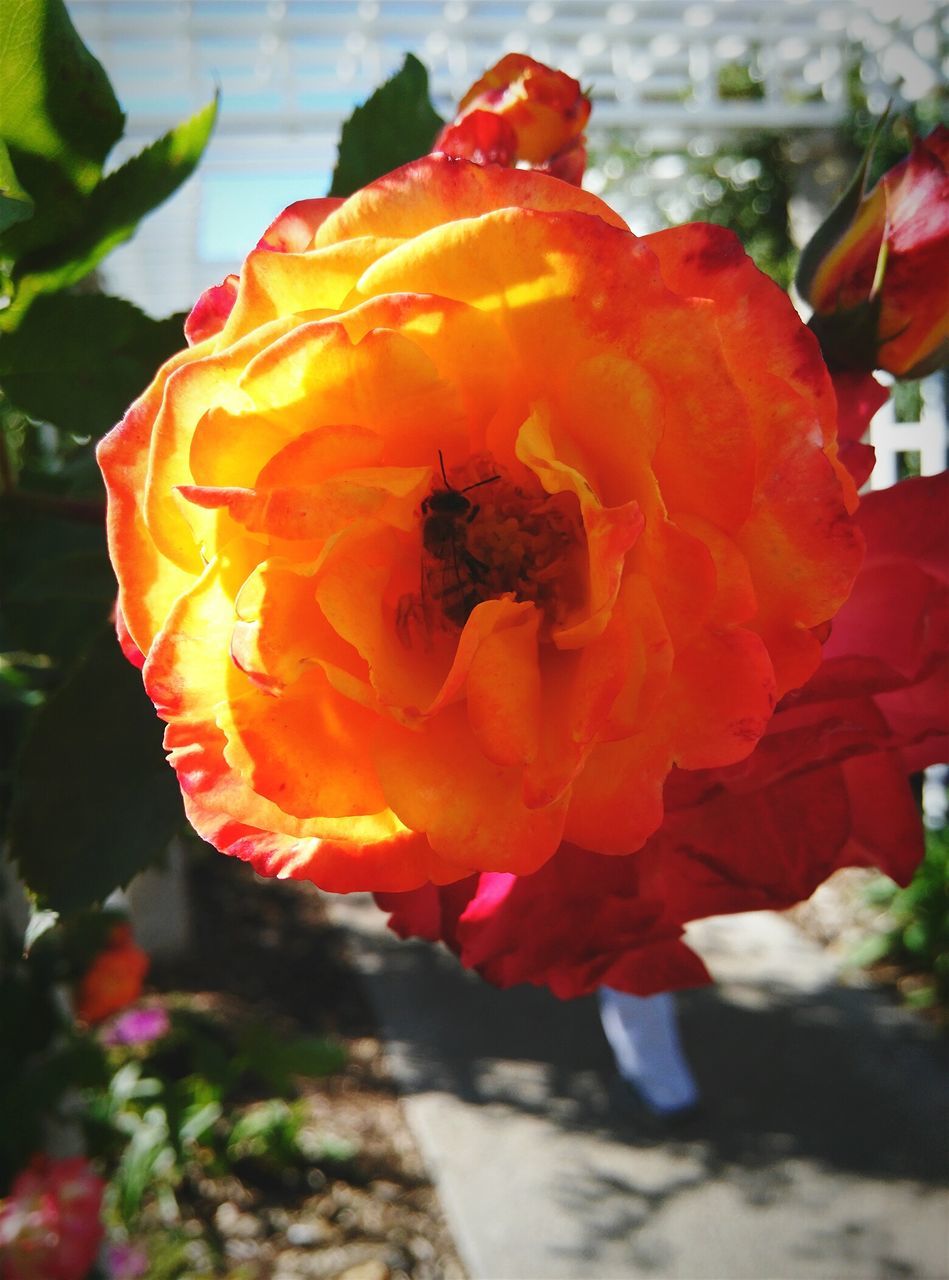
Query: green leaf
{"type": "Point", "coordinates": [199, 1120]}
{"type": "Point", "coordinates": [110, 215]}
{"type": "Point", "coordinates": [923, 997]}
{"type": "Point", "coordinates": [147, 1156]}
{"type": "Point", "coordinates": [871, 950]}
{"type": "Point", "coordinates": [396, 125]}
{"type": "Point", "coordinates": [57, 584]}
{"type": "Point", "coordinates": [330, 1148]}
{"type": "Point", "coordinates": [15, 204]}
{"type": "Point", "coordinates": [267, 1130]}
{"type": "Point", "coordinates": [31, 1098]}
{"type": "Point", "coordinates": [78, 360]}
{"type": "Point", "coordinates": [95, 801]}
{"type": "Point", "coordinates": [60, 118]}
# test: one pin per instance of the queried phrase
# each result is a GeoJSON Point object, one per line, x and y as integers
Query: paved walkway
{"type": "Point", "coordinates": [821, 1153]}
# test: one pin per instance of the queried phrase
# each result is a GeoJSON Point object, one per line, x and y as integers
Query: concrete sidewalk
{"type": "Point", "coordinates": [821, 1152]}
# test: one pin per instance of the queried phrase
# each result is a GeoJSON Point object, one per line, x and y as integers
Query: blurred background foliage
{"type": "Point", "coordinates": [748, 180]}
{"type": "Point", "coordinates": [909, 939]}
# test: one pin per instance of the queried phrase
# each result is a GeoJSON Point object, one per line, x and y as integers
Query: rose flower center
{"type": "Point", "coordinates": [485, 536]}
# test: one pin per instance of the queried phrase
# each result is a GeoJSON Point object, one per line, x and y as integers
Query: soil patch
{"type": "Point", "coordinates": [361, 1206]}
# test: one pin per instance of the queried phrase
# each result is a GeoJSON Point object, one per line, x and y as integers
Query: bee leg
{"type": "Point", "coordinates": [409, 613]}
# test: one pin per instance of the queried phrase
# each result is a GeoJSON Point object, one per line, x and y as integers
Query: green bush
{"type": "Point", "coordinates": [917, 934]}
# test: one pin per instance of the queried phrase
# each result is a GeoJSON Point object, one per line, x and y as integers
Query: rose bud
{"type": "Point", "coordinates": [538, 117]}
{"type": "Point", "coordinates": [482, 136]}
{"type": "Point", "coordinates": [876, 272]}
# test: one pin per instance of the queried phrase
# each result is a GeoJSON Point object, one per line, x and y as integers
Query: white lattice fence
{"type": "Point", "coordinates": [924, 441]}
{"type": "Point", "coordinates": [291, 71]}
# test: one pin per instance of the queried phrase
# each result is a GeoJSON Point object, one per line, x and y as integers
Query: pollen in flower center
{"type": "Point", "coordinates": [485, 536]}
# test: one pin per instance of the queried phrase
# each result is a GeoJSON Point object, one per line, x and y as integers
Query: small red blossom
{"type": "Point", "coordinates": [114, 979]}
{"type": "Point", "coordinates": [49, 1225]}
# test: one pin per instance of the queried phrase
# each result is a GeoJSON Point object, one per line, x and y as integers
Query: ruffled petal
{"type": "Point", "coordinates": [438, 782]}
{"type": "Point", "coordinates": [438, 189]}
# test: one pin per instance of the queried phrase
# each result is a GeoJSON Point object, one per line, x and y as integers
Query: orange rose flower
{"type": "Point", "coordinates": [877, 279]}
{"type": "Point", "coordinates": [476, 515]}
{"type": "Point", "coordinates": [114, 979]}
{"type": "Point", "coordinates": [521, 110]}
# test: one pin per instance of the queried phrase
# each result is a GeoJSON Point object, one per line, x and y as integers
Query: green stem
{"type": "Point", "coordinates": [7, 479]}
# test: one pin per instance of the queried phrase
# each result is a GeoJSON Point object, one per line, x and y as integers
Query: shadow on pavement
{"type": "Point", "coordinates": [839, 1077]}
{"type": "Point", "coordinates": [820, 1153]}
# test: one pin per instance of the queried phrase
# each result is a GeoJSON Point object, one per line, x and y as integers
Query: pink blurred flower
{"type": "Point", "coordinates": [138, 1026]}
{"type": "Point", "coordinates": [126, 1261]}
